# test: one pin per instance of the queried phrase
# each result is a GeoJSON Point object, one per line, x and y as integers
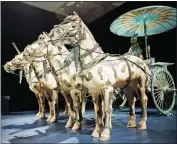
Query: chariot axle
{"type": "Point", "coordinates": [170, 90]}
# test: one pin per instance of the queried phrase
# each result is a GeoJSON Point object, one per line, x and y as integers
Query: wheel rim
{"type": "Point", "coordinates": [120, 100]}
{"type": "Point", "coordinates": [162, 90]}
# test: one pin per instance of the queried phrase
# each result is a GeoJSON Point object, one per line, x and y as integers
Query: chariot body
{"type": "Point", "coordinates": [162, 85]}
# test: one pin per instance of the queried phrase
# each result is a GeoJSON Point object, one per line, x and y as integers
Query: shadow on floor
{"type": "Point", "coordinates": [150, 112]}
{"type": "Point", "coordinates": [160, 129]}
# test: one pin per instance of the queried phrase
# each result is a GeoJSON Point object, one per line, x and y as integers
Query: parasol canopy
{"type": "Point", "coordinates": [145, 21]}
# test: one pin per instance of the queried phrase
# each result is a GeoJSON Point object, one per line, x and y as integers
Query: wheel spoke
{"type": "Point", "coordinates": [157, 91]}
{"type": "Point", "coordinates": [157, 88]}
{"type": "Point", "coordinates": [166, 106]}
{"type": "Point", "coordinates": [170, 95]}
{"type": "Point", "coordinates": [158, 95]}
{"type": "Point", "coordinates": [169, 80]}
{"type": "Point", "coordinates": [160, 103]}
{"type": "Point", "coordinates": [120, 99]}
{"type": "Point", "coordinates": [158, 100]}
{"type": "Point", "coordinates": [169, 102]}
{"type": "Point", "coordinates": [171, 85]}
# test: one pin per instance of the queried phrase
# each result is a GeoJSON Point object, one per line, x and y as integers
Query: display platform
{"type": "Point", "coordinates": [22, 127]}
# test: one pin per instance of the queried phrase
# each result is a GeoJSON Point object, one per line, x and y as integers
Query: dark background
{"type": "Point", "coordinates": [22, 24]}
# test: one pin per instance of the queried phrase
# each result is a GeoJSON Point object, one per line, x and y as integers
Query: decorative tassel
{"type": "Point", "coordinates": [45, 68]}
{"type": "Point", "coordinates": [18, 51]}
{"type": "Point", "coordinates": [76, 56]}
{"type": "Point", "coordinates": [21, 76]}
{"type": "Point", "coordinates": [30, 71]}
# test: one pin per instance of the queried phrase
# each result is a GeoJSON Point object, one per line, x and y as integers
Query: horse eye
{"type": "Point", "coordinates": [73, 26]}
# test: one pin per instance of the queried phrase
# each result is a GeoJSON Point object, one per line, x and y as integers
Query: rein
{"type": "Point", "coordinates": [107, 54]}
{"type": "Point", "coordinates": [88, 52]}
{"type": "Point", "coordinates": [129, 71]}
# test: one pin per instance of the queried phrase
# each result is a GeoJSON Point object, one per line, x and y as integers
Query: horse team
{"type": "Point", "coordinates": [50, 68]}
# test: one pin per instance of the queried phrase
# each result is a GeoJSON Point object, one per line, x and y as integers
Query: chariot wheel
{"type": "Point", "coordinates": [163, 90]}
{"type": "Point", "coordinates": [120, 100]}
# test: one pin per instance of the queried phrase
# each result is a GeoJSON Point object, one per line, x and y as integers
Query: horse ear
{"type": "Point", "coordinates": [75, 13]}
{"type": "Point", "coordinates": [45, 34]}
{"type": "Point", "coordinates": [76, 17]}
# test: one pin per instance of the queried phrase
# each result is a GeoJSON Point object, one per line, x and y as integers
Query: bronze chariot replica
{"type": "Point", "coordinates": [87, 69]}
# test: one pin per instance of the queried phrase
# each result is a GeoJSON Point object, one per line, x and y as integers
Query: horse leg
{"type": "Point", "coordinates": [42, 101]}
{"type": "Point", "coordinates": [129, 92]}
{"type": "Point", "coordinates": [131, 103]}
{"type": "Point", "coordinates": [84, 101]}
{"type": "Point", "coordinates": [66, 112]}
{"type": "Point", "coordinates": [143, 100]}
{"type": "Point", "coordinates": [69, 103]}
{"type": "Point", "coordinates": [51, 111]}
{"type": "Point", "coordinates": [108, 94]}
{"type": "Point", "coordinates": [39, 104]}
{"type": "Point", "coordinates": [76, 96]}
{"type": "Point", "coordinates": [55, 105]}
{"type": "Point", "coordinates": [43, 104]}
{"type": "Point", "coordinates": [49, 98]}
{"type": "Point", "coordinates": [97, 100]}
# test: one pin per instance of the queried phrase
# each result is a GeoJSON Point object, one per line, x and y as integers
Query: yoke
{"type": "Point", "coordinates": [162, 64]}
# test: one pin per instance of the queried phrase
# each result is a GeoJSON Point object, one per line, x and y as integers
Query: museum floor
{"type": "Point", "coordinates": [23, 127]}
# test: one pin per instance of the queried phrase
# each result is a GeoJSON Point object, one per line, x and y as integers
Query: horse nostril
{"type": "Point", "coordinates": [7, 68]}
{"type": "Point", "coordinates": [79, 86]}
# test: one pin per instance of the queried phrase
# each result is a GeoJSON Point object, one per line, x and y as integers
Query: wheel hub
{"type": "Point", "coordinates": [165, 89]}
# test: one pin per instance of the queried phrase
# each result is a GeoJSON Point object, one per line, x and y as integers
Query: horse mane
{"type": "Point", "coordinates": [87, 30]}
{"type": "Point", "coordinates": [76, 18]}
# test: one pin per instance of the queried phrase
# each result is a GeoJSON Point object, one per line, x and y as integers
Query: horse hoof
{"type": "Point", "coordinates": [41, 116]}
{"type": "Point", "coordinates": [53, 119]}
{"type": "Point", "coordinates": [76, 126]}
{"type": "Point", "coordinates": [37, 114]}
{"type": "Point", "coordinates": [142, 126]}
{"type": "Point", "coordinates": [49, 118]}
{"type": "Point", "coordinates": [95, 134]}
{"type": "Point", "coordinates": [65, 113]}
{"type": "Point", "coordinates": [69, 125]}
{"type": "Point", "coordinates": [131, 124]}
{"type": "Point", "coordinates": [105, 137]}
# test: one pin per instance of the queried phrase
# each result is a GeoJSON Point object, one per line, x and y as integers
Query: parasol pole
{"type": "Point", "coordinates": [145, 33]}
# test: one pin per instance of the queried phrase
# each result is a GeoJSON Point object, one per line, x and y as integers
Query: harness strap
{"type": "Point", "coordinates": [129, 71]}
{"type": "Point", "coordinates": [93, 63]}
{"type": "Point", "coordinates": [88, 52]}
